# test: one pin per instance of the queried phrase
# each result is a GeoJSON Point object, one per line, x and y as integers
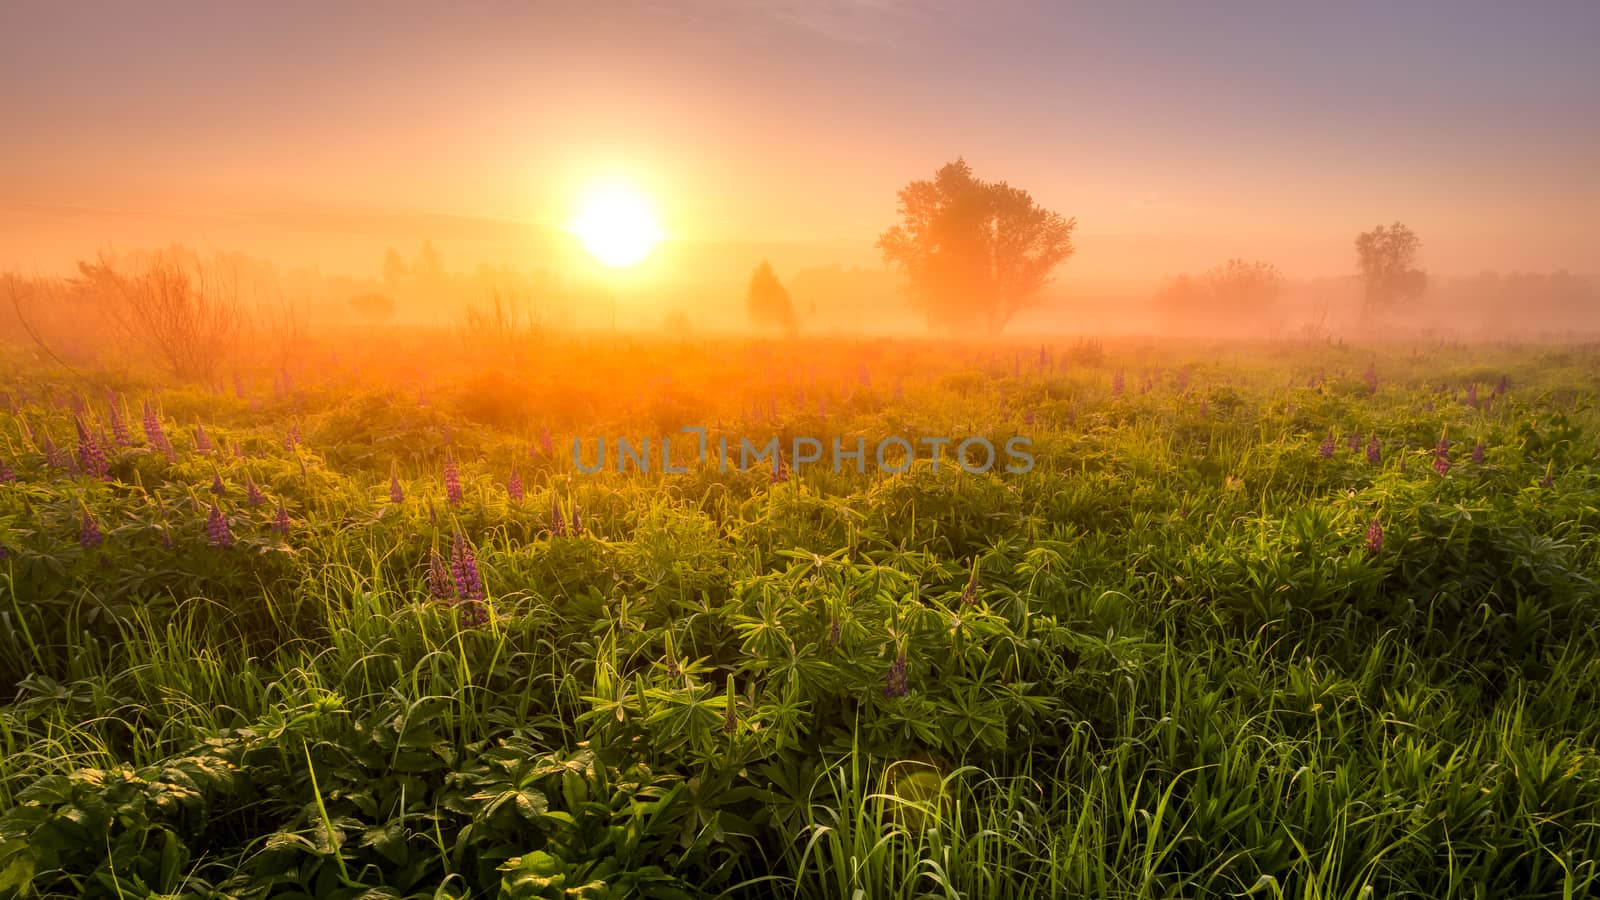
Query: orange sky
{"type": "Point", "coordinates": [1176, 136]}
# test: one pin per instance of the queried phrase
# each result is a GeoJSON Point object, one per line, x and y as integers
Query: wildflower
{"type": "Point", "coordinates": [577, 520]}
{"type": "Point", "coordinates": [1477, 454]}
{"type": "Point", "coordinates": [834, 634]}
{"type": "Point", "coordinates": [155, 434]}
{"type": "Point", "coordinates": [514, 485]}
{"type": "Point", "coordinates": [53, 457]}
{"type": "Point", "coordinates": [202, 441]}
{"type": "Point", "coordinates": [780, 472]}
{"type": "Point", "coordinates": [280, 521]}
{"type": "Point", "coordinates": [396, 495]}
{"type": "Point", "coordinates": [1372, 378]}
{"type": "Point", "coordinates": [1501, 386]}
{"type": "Point", "coordinates": [1374, 536]}
{"type": "Point", "coordinates": [119, 424]}
{"type": "Point", "coordinates": [217, 487]}
{"type": "Point", "coordinates": [558, 524]}
{"type": "Point", "coordinates": [1549, 479]}
{"type": "Point", "coordinates": [433, 515]}
{"type": "Point", "coordinates": [440, 585]}
{"type": "Point", "coordinates": [1327, 445]}
{"type": "Point", "coordinates": [252, 493]}
{"type": "Point", "coordinates": [291, 439]}
{"type": "Point", "coordinates": [452, 480]}
{"type": "Point", "coordinates": [897, 684]}
{"type": "Point", "coordinates": [1441, 454]}
{"type": "Point", "coordinates": [89, 534]}
{"type": "Point", "coordinates": [1472, 394]}
{"type": "Point", "coordinates": [217, 530]}
{"type": "Point", "coordinates": [7, 474]}
{"type": "Point", "coordinates": [91, 459]}
{"type": "Point", "coordinates": [969, 595]}
{"type": "Point", "coordinates": [1374, 450]}
{"type": "Point", "coordinates": [464, 570]}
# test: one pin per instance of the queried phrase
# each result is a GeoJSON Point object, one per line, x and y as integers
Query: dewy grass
{"type": "Point", "coordinates": [1169, 661]}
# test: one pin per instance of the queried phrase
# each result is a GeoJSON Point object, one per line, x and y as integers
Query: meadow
{"type": "Point", "coordinates": [1275, 620]}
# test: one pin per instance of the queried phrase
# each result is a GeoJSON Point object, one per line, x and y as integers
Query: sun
{"type": "Point", "coordinates": [616, 225]}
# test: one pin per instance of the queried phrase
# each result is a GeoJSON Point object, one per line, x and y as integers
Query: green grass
{"type": "Point", "coordinates": [1180, 670]}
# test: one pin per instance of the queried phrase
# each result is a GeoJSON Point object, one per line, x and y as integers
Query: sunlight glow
{"type": "Point", "coordinates": [616, 225]}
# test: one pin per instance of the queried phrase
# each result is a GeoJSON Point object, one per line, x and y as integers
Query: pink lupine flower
{"type": "Point", "coordinates": [91, 459]}
{"type": "Point", "coordinates": [1372, 378]}
{"type": "Point", "coordinates": [780, 472]}
{"type": "Point", "coordinates": [1375, 536]}
{"type": "Point", "coordinates": [280, 521]}
{"type": "Point", "coordinates": [89, 534]}
{"type": "Point", "coordinates": [1472, 394]}
{"type": "Point", "coordinates": [1328, 445]}
{"type": "Point", "coordinates": [577, 520]}
{"type": "Point", "coordinates": [396, 495]}
{"type": "Point", "coordinates": [217, 487]}
{"type": "Point", "coordinates": [291, 439]}
{"type": "Point", "coordinates": [155, 434]}
{"type": "Point", "coordinates": [514, 485]}
{"type": "Point", "coordinates": [1501, 386]}
{"type": "Point", "coordinates": [202, 441]}
{"type": "Point", "coordinates": [440, 585]}
{"type": "Point", "coordinates": [252, 493]}
{"type": "Point", "coordinates": [53, 457]}
{"type": "Point", "coordinates": [7, 474]}
{"type": "Point", "coordinates": [464, 570]}
{"type": "Point", "coordinates": [1441, 457]}
{"type": "Point", "coordinates": [217, 531]}
{"type": "Point", "coordinates": [1477, 454]}
{"type": "Point", "coordinates": [1374, 450]}
{"type": "Point", "coordinates": [119, 424]}
{"type": "Point", "coordinates": [558, 523]}
{"type": "Point", "coordinates": [452, 480]}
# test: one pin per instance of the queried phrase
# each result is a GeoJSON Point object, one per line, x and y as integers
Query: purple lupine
{"type": "Point", "coordinates": [1501, 386]}
{"type": "Point", "coordinates": [89, 534]}
{"type": "Point", "coordinates": [1372, 378]}
{"type": "Point", "coordinates": [1328, 445]}
{"type": "Point", "coordinates": [1441, 456]}
{"type": "Point", "coordinates": [119, 423]}
{"type": "Point", "coordinates": [835, 633]}
{"type": "Point", "coordinates": [514, 485]}
{"type": "Point", "coordinates": [202, 441]}
{"type": "Point", "coordinates": [558, 523]}
{"type": "Point", "coordinates": [898, 682]}
{"type": "Point", "coordinates": [1354, 443]}
{"type": "Point", "coordinates": [464, 570]}
{"type": "Point", "coordinates": [155, 434]}
{"type": "Point", "coordinates": [1374, 450]}
{"type": "Point", "coordinates": [252, 493]}
{"type": "Point", "coordinates": [1549, 479]}
{"type": "Point", "coordinates": [91, 459]}
{"type": "Point", "coordinates": [969, 595]}
{"type": "Point", "coordinates": [217, 531]}
{"type": "Point", "coordinates": [1472, 394]}
{"type": "Point", "coordinates": [577, 520]}
{"type": "Point", "coordinates": [7, 474]}
{"type": "Point", "coordinates": [53, 457]}
{"type": "Point", "coordinates": [1375, 536]}
{"type": "Point", "coordinates": [291, 439]}
{"type": "Point", "coordinates": [780, 472]}
{"type": "Point", "coordinates": [452, 480]}
{"type": "Point", "coordinates": [217, 487]}
{"type": "Point", "coordinates": [396, 495]}
{"type": "Point", "coordinates": [440, 586]}
{"type": "Point", "coordinates": [280, 520]}
{"type": "Point", "coordinates": [1477, 454]}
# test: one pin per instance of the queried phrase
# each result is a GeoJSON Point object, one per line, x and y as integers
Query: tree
{"type": "Point", "coordinates": [1237, 293]}
{"type": "Point", "coordinates": [1387, 257]}
{"type": "Point", "coordinates": [374, 307]}
{"type": "Point", "coordinates": [767, 302]}
{"type": "Point", "coordinates": [975, 252]}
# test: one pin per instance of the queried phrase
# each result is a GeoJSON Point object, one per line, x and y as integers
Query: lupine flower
{"type": "Point", "coordinates": [89, 534]}
{"type": "Point", "coordinates": [280, 521]}
{"type": "Point", "coordinates": [1441, 457]}
{"type": "Point", "coordinates": [780, 472]}
{"type": "Point", "coordinates": [7, 474]}
{"type": "Point", "coordinates": [440, 585]}
{"type": "Point", "coordinates": [5, 553]}
{"type": "Point", "coordinates": [202, 441]}
{"type": "Point", "coordinates": [396, 495]}
{"type": "Point", "coordinates": [1477, 454]}
{"type": "Point", "coordinates": [1549, 479]}
{"type": "Point", "coordinates": [1117, 384]}
{"type": "Point", "coordinates": [558, 523]}
{"type": "Point", "coordinates": [1472, 394]}
{"type": "Point", "coordinates": [155, 434]}
{"type": "Point", "coordinates": [898, 682]}
{"type": "Point", "coordinates": [577, 520]}
{"type": "Point", "coordinates": [1427, 407]}
{"type": "Point", "coordinates": [834, 634]}
{"type": "Point", "coordinates": [1372, 378]}
{"type": "Point", "coordinates": [1375, 536]}
{"type": "Point", "coordinates": [1374, 450]}
{"type": "Point", "coordinates": [1328, 445]}
{"type": "Point", "coordinates": [969, 595]}
{"type": "Point", "coordinates": [1501, 386]}
{"type": "Point", "coordinates": [252, 493]}
{"type": "Point", "coordinates": [452, 480]}
{"type": "Point", "coordinates": [119, 424]}
{"type": "Point", "coordinates": [291, 440]}
{"type": "Point", "coordinates": [433, 515]}
{"type": "Point", "coordinates": [514, 485]}
{"type": "Point", "coordinates": [53, 457]}
{"type": "Point", "coordinates": [217, 487]}
{"type": "Point", "coordinates": [217, 530]}
{"type": "Point", "coordinates": [91, 459]}
{"type": "Point", "coordinates": [464, 570]}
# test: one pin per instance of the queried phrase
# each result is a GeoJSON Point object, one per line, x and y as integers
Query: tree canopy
{"type": "Point", "coordinates": [767, 301]}
{"type": "Point", "coordinates": [975, 252]}
{"type": "Point", "coordinates": [1387, 258]}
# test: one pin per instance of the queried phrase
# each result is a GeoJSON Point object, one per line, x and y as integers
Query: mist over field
{"type": "Point", "coordinates": [855, 448]}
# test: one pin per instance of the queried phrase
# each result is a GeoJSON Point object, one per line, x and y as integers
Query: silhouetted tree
{"type": "Point", "coordinates": [975, 251]}
{"type": "Point", "coordinates": [1387, 258]}
{"type": "Point", "coordinates": [768, 302]}
{"type": "Point", "coordinates": [374, 307]}
{"type": "Point", "coordinates": [1236, 294]}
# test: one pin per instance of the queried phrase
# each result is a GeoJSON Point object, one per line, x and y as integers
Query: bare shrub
{"type": "Point", "coordinates": [185, 312]}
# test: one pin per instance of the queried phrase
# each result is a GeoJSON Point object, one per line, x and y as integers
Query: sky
{"type": "Point", "coordinates": [1178, 134]}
